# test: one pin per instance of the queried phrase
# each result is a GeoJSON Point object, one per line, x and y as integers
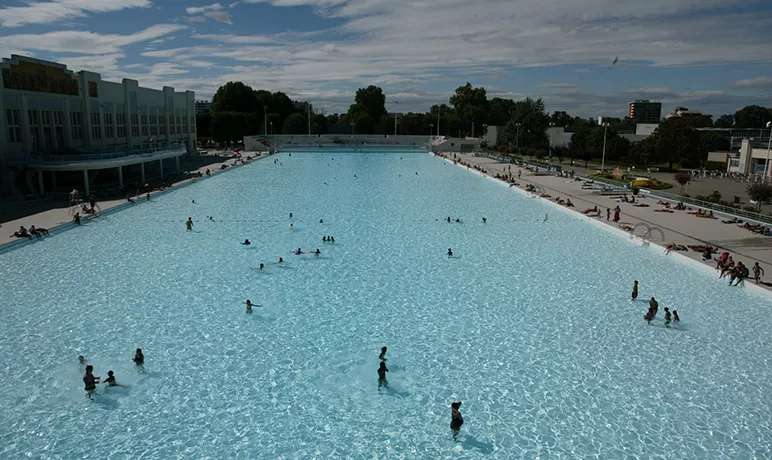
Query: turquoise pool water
{"type": "Point", "coordinates": [530, 325]}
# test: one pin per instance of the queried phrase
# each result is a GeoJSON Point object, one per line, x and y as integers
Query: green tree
{"type": "Point", "coordinates": [333, 118]}
{"type": "Point", "coordinates": [676, 143]}
{"type": "Point", "coordinates": [318, 124]}
{"type": "Point", "coordinates": [500, 111]}
{"type": "Point", "coordinates": [561, 119]}
{"type": "Point", "coordinates": [724, 121]}
{"type": "Point", "coordinates": [752, 116]}
{"type": "Point", "coordinates": [471, 106]}
{"type": "Point", "coordinates": [683, 178]}
{"type": "Point", "coordinates": [533, 122]}
{"type": "Point", "coordinates": [234, 97]}
{"type": "Point", "coordinates": [295, 124]}
{"type": "Point", "coordinates": [203, 124]}
{"type": "Point", "coordinates": [760, 193]}
{"type": "Point", "coordinates": [368, 103]}
{"type": "Point", "coordinates": [228, 126]}
{"type": "Point", "coordinates": [282, 106]}
{"type": "Point", "coordinates": [713, 142]}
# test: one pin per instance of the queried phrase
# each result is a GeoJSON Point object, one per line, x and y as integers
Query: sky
{"type": "Point", "coordinates": [714, 56]}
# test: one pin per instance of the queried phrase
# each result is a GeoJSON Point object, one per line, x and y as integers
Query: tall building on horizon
{"type": "Point", "coordinates": [644, 111]}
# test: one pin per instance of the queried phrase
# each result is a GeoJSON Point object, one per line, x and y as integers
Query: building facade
{"type": "Point", "coordinates": [203, 106]}
{"type": "Point", "coordinates": [644, 111]}
{"type": "Point", "coordinates": [56, 121]}
{"type": "Point", "coordinates": [47, 108]}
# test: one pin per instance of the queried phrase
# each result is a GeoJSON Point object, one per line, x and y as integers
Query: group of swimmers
{"type": "Point", "coordinates": [654, 308]}
{"type": "Point", "coordinates": [90, 380]}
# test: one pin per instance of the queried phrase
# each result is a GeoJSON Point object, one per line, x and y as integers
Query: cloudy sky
{"type": "Point", "coordinates": [708, 55]}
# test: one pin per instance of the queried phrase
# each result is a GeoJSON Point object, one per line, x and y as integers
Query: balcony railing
{"type": "Point", "coordinates": [143, 152]}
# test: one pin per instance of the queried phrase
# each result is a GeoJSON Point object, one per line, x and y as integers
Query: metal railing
{"type": "Point", "coordinates": [148, 152]}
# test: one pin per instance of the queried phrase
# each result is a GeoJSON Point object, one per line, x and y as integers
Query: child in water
{"type": "Point", "coordinates": [667, 317]}
{"type": "Point", "coordinates": [139, 358]}
{"type": "Point", "coordinates": [676, 319]}
{"type": "Point", "coordinates": [249, 306]}
{"type": "Point", "coordinates": [456, 419]}
{"type": "Point", "coordinates": [382, 370]}
{"type": "Point", "coordinates": [110, 380]}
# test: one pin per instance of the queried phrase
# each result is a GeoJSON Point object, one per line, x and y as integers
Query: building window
{"type": "Point", "coordinates": [59, 118]}
{"type": "Point", "coordinates": [193, 121]}
{"type": "Point", "coordinates": [14, 125]}
{"type": "Point", "coordinates": [179, 129]}
{"type": "Point", "coordinates": [171, 119]}
{"type": "Point", "coordinates": [134, 131]}
{"type": "Point", "coordinates": [47, 118]}
{"type": "Point", "coordinates": [96, 128]}
{"type": "Point", "coordinates": [37, 138]}
{"type": "Point", "coordinates": [77, 126]}
{"type": "Point", "coordinates": [153, 130]}
{"type": "Point", "coordinates": [162, 130]}
{"type": "Point", "coordinates": [34, 117]}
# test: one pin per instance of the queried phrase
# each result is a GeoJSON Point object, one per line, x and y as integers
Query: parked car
{"type": "Point", "coordinates": [652, 169]}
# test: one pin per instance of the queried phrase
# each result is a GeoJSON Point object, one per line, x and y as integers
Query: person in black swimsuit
{"type": "Point", "coordinates": [382, 356]}
{"type": "Point", "coordinates": [90, 380]}
{"type": "Point", "coordinates": [450, 253]}
{"type": "Point", "coordinates": [456, 419]}
{"type": "Point", "coordinates": [382, 382]}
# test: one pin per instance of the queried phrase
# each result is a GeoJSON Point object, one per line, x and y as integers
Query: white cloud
{"type": "Point", "coordinates": [233, 4]}
{"type": "Point", "coordinates": [36, 12]}
{"type": "Point", "coordinates": [196, 19]}
{"type": "Point", "coordinates": [83, 42]}
{"type": "Point", "coordinates": [202, 9]}
{"type": "Point", "coordinates": [754, 83]}
{"type": "Point", "coordinates": [166, 69]}
{"type": "Point", "coordinates": [219, 16]}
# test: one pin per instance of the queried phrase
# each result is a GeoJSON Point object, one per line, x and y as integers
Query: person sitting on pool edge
{"type": "Point", "coordinates": [139, 358]}
{"type": "Point", "coordinates": [382, 370]}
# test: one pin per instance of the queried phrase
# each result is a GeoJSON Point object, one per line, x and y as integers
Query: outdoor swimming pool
{"type": "Point", "coordinates": [530, 325]}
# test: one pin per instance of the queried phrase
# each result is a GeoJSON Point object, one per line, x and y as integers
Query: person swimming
{"type": "Point", "coordinates": [189, 224]}
{"type": "Point", "coordinates": [139, 358]}
{"type": "Point", "coordinates": [635, 290]}
{"type": "Point", "coordinates": [676, 319]}
{"type": "Point", "coordinates": [458, 221]}
{"type": "Point", "coordinates": [450, 253]}
{"type": "Point", "coordinates": [249, 305]}
{"type": "Point", "coordinates": [324, 239]}
{"type": "Point", "coordinates": [290, 215]}
{"type": "Point", "coordinates": [90, 380]}
{"type": "Point", "coordinates": [485, 220]}
{"type": "Point", "coordinates": [318, 252]}
{"type": "Point", "coordinates": [82, 360]}
{"type": "Point", "coordinates": [382, 356]}
{"type": "Point", "coordinates": [667, 317]}
{"type": "Point", "coordinates": [262, 266]}
{"type": "Point", "coordinates": [382, 370]}
{"type": "Point", "coordinates": [321, 221]}
{"type": "Point", "coordinates": [280, 261]}
{"type": "Point", "coordinates": [331, 239]}
{"type": "Point", "coordinates": [456, 419]}
{"type": "Point", "coordinates": [298, 252]}
{"type": "Point", "coordinates": [448, 219]}
{"type": "Point", "coordinates": [292, 226]}
{"type": "Point", "coordinates": [246, 243]}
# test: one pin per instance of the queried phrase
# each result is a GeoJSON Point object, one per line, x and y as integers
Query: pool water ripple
{"type": "Point", "coordinates": [530, 324]}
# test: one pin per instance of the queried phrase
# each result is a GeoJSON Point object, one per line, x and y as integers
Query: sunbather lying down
{"type": "Point", "coordinates": [664, 210]}
{"type": "Point", "coordinates": [627, 228]}
{"type": "Point", "coordinates": [702, 248]}
{"type": "Point", "coordinates": [641, 205]}
{"type": "Point", "coordinates": [675, 247]}
{"type": "Point", "coordinates": [733, 220]}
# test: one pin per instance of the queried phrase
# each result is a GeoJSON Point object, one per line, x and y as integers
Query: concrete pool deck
{"type": "Point", "coordinates": [679, 226]}
{"type": "Point", "coordinates": [59, 217]}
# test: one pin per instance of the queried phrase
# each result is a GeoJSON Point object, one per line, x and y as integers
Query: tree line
{"type": "Point", "coordinates": [238, 111]}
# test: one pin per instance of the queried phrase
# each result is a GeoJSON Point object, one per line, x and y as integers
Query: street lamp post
{"type": "Point", "coordinates": [352, 128]}
{"type": "Point", "coordinates": [517, 137]}
{"type": "Point", "coordinates": [273, 139]}
{"type": "Point", "coordinates": [308, 106]}
{"type": "Point", "coordinates": [431, 129]}
{"type": "Point", "coordinates": [769, 144]}
{"type": "Point", "coordinates": [265, 121]}
{"type": "Point", "coordinates": [395, 117]}
{"type": "Point", "coordinates": [439, 108]}
{"type": "Point", "coordinates": [603, 158]}
{"type": "Point", "coordinates": [549, 158]}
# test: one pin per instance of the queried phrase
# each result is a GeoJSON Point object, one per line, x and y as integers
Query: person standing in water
{"type": "Point", "coordinates": [635, 290]}
{"type": "Point", "coordinates": [249, 305]}
{"type": "Point", "coordinates": [382, 356]}
{"type": "Point", "coordinates": [382, 370]}
{"type": "Point", "coordinates": [139, 358]}
{"type": "Point", "coordinates": [450, 253]}
{"type": "Point", "coordinates": [456, 419]}
{"type": "Point", "coordinates": [189, 224]}
{"type": "Point", "coordinates": [90, 380]}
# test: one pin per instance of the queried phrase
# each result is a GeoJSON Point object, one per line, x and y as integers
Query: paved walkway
{"type": "Point", "coordinates": [679, 227]}
{"type": "Point", "coordinates": [59, 216]}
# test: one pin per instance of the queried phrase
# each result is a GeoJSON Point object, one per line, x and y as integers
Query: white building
{"type": "Point", "coordinates": [47, 109]}
{"type": "Point", "coordinates": [753, 158]}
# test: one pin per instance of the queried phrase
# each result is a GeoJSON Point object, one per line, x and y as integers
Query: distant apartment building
{"type": "Point", "coordinates": [644, 111]}
{"type": "Point", "coordinates": [203, 106]}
